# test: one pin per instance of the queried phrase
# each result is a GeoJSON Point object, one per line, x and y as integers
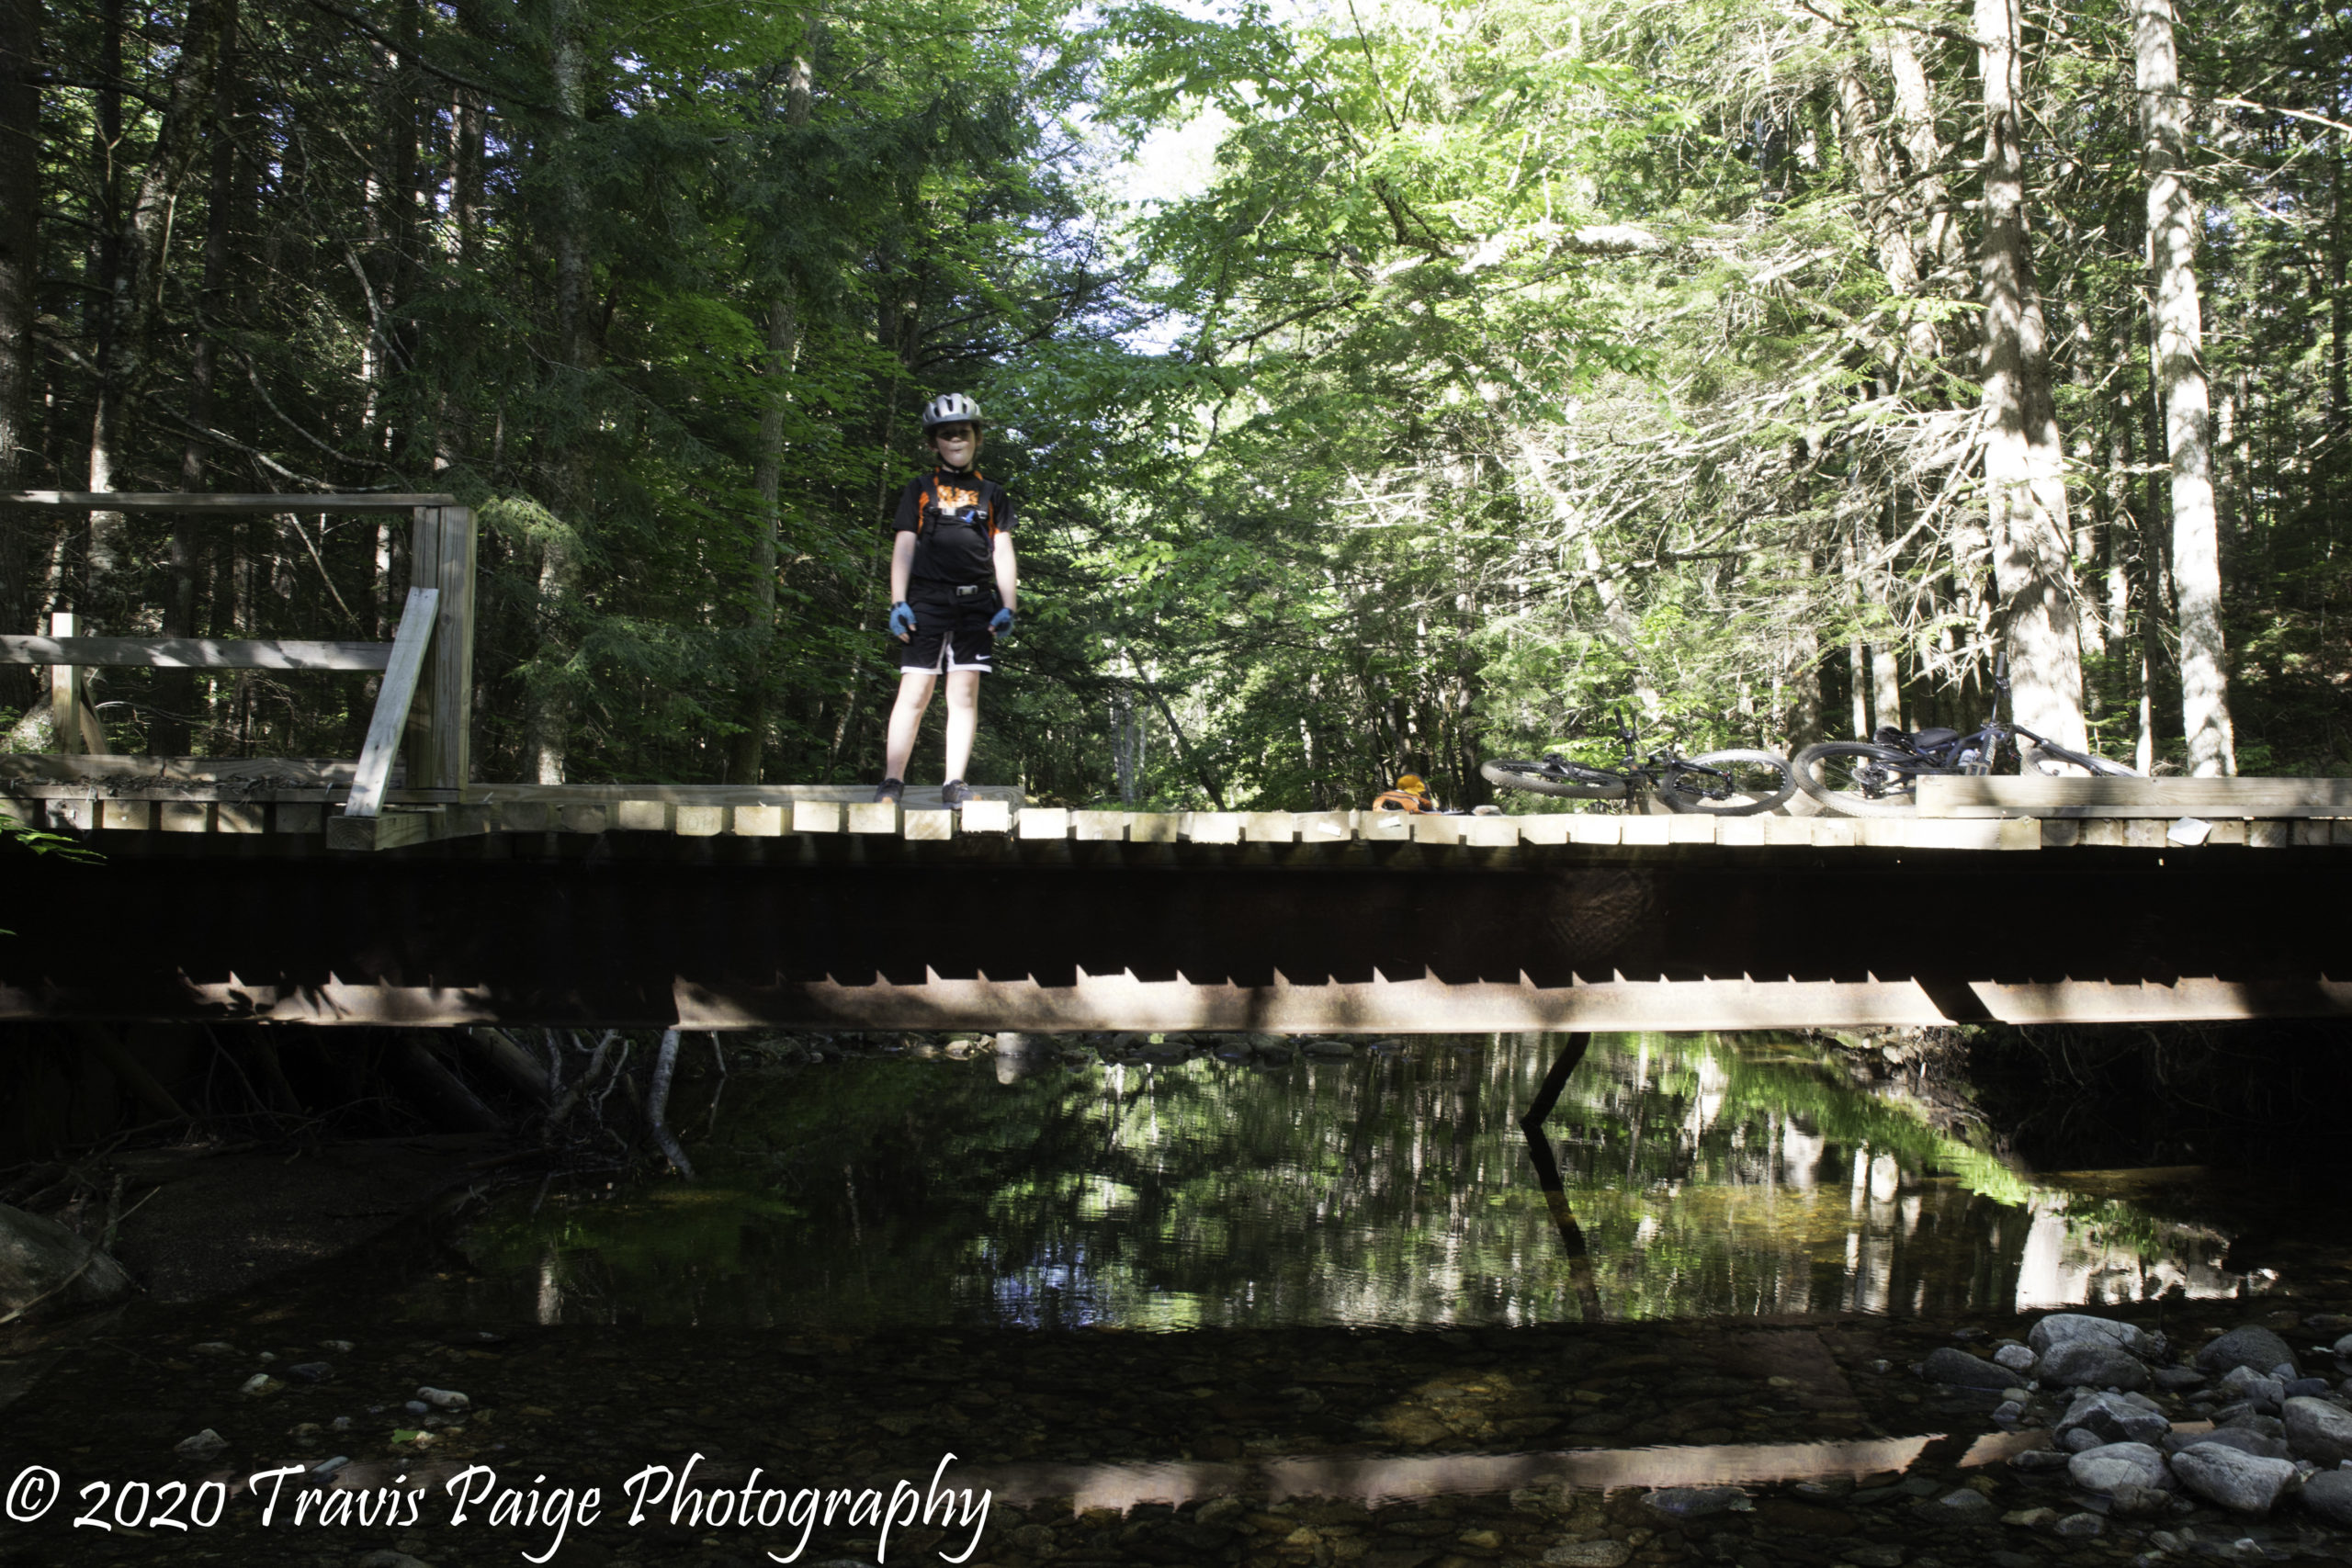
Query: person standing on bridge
{"type": "Point", "coordinates": [953, 585]}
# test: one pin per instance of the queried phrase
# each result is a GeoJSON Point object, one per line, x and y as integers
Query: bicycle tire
{"type": "Point", "coordinates": [1579, 782]}
{"type": "Point", "coordinates": [2098, 767]}
{"type": "Point", "coordinates": [1757, 781]}
{"type": "Point", "coordinates": [1825, 771]}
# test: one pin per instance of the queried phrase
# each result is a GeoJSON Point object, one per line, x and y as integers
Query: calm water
{"type": "Point", "coordinates": [1697, 1175]}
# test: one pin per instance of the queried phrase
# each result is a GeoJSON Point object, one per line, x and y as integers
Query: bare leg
{"type": "Point", "coordinates": [906, 717]}
{"type": "Point", "coordinates": [963, 719]}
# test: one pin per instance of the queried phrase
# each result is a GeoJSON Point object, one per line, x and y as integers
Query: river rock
{"type": "Point", "coordinates": [2255, 1443]}
{"type": "Point", "coordinates": [2255, 1348]}
{"type": "Point", "coordinates": [2174, 1379]}
{"type": "Point", "coordinates": [204, 1445]}
{"type": "Point", "coordinates": [443, 1398]}
{"type": "Point", "coordinates": [2267, 1395]}
{"type": "Point", "coordinates": [42, 1261]}
{"type": "Point", "coordinates": [2070, 1327]}
{"type": "Point", "coordinates": [1330, 1048]}
{"type": "Point", "coordinates": [2329, 1495]}
{"type": "Point", "coordinates": [311, 1371]}
{"type": "Point", "coordinates": [2080, 1525]}
{"type": "Point", "coordinates": [2113, 1419]}
{"type": "Point", "coordinates": [1945, 1364]}
{"type": "Point", "coordinates": [2090, 1362]}
{"type": "Point", "coordinates": [2247, 1483]}
{"type": "Point", "coordinates": [2113, 1465]}
{"type": "Point", "coordinates": [2318, 1431]}
{"type": "Point", "coordinates": [1588, 1555]}
{"type": "Point", "coordinates": [1696, 1501]}
{"type": "Point", "coordinates": [2307, 1388]}
{"type": "Point", "coordinates": [1959, 1506]}
{"type": "Point", "coordinates": [2016, 1357]}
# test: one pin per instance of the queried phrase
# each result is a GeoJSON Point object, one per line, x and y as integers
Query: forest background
{"type": "Point", "coordinates": [1764, 366]}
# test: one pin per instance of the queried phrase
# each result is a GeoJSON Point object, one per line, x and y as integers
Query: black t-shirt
{"type": "Point", "coordinates": [950, 514]}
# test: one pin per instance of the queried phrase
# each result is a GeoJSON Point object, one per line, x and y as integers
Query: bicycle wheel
{"type": "Point", "coordinates": [1855, 778]}
{"type": "Point", "coordinates": [1564, 780]}
{"type": "Point", "coordinates": [2045, 758]}
{"type": "Point", "coordinates": [1729, 783]}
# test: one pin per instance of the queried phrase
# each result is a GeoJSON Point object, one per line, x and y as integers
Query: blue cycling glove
{"type": "Point", "coordinates": [903, 620]}
{"type": "Point", "coordinates": [1001, 622]}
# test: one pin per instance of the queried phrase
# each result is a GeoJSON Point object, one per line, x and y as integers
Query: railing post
{"type": "Point", "coordinates": [69, 718]}
{"type": "Point", "coordinates": [440, 725]}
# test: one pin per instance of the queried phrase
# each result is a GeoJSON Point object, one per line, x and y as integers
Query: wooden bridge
{"type": "Point", "coordinates": [333, 892]}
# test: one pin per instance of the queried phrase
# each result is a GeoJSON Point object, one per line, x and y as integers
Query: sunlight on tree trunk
{"type": "Point", "coordinates": [2024, 478]}
{"type": "Point", "coordinates": [2179, 370]}
{"type": "Point", "coordinates": [560, 564]}
{"type": "Point", "coordinates": [19, 280]}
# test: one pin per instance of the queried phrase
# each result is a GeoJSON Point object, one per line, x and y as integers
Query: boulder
{"type": "Point", "coordinates": [2016, 1357]}
{"type": "Point", "coordinates": [1958, 1508]}
{"type": "Point", "coordinates": [2266, 1394]}
{"type": "Point", "coordinates": [2112, 1419]}
{"type": "Point", "coordinates": [2070, 1327]}
{"type": "Point", "coordinates": [2319, 1432]}
{"type": "Point", "coordinates": [42, 1261]}
{"type": "Point", "coordinates": [2113, 1465]}
{"type": "Point", "coordinates": [2257, 1350]}
{"type": "Point", "coordinates": [2329, 1495]}
{"type": "Point", "coordinates": [2255, 1443]}
{"type": "Point", "coordinates": [2091, 1362]}
{"type": "Point", "coordinates": [2247, 1483]}
{"type": "Point", "coordinates": [1945, 1364]}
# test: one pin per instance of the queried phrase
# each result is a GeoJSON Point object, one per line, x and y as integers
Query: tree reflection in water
{"type": "Point", "coordinates": [1678, 1176]}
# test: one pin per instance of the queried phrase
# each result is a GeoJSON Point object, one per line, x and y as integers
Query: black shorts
{"type": "Point", "coordinates": [951, 633]}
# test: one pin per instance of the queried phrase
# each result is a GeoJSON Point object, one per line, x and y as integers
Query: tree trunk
{"type": "Point", "coordinates": [133, 281]}
{"type": "Point", "coordinates": [550, 723]}
{"type": "Point", "coordinates": [2024, 472]}
{"type": "Point", "coordinates": [19, 281]}
{"type": "Point", "coordinates": [767, 476]}
{"type": "Point", "coordinates": [2179, 373]}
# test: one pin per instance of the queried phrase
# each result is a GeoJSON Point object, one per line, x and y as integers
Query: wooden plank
{"type": "Point", "coordinates": [1213, 826]}
{"type": "Point", "coordinates": [185, 817]}
{"type": "Point", "coordinates": [873, 816]}
{"type": "Point", "coordinates": [440, 729]}
{"type": "Point", "coordinates": [68, 816]}
{"type": "Point", "coordinates": [1490, 832]}
{"type": "Point", "coordinates": [2313, 830]}
{"type": "Point", "coordinates": [194, 653]}
{"type": "Point", "coordinates": [1547, 828]}
{"type": "Point", "coordinates": [2342, 834]}
{"type": "Point", "coordinates": [1937, 834]}
{"type": "Point", "coordinates": [1693, 828]}
{"type": "Point", "coordinates": [135, 815]}
{"type": "Point", "coordinates": [388, 830]}
{"type": "Point", "coordinates": [641, 817]}
{"type": "Point", "coordinates": [1269, 827]}
{"type": "Point", "coordinates": [2102, 833]}
{"type": "Point", "coordinates": [1386, 826]}
{"type": "Point", "coordinates": [297, 772]}
{"type": "Point", "coordinates": [1099, 827]}
{"type": "Point", "coordinates": [2272, 835]}
{"type": "Point", "coordinates": [1644, 830]}
{"type": "Point", "coordinates": [2229, 830]}
{"type": "Point", "coordinates": [987, 817]}
{"type": "Point", "coordinates": [369, 779]}
{"type": "Point", "coordinates": [2023, 834]}
{"type": "Point", "coordinates": [701, 822]}
{"type": "Point", "coordinates": [585, 819]}
{"type": "Point", "coordinates": [2144, 833]}
{"type": "Point", "coordinates": [929, 827]}
{"type": "Point", "coordinates": [1596, 828]}
{"type": "Point", "coordinates": [1155, 826]}
{"type": "Point", "coordinates": [1786, 830]}
{"type": "Point", "coordinates": [755, 821]}
{"type": "Point", "coordinates": [1043, 822]}
{"type": "Point", "coordinates": [241, 816]}
{"type": "Point", "coordinates": [525, 815]}
{"type": "Point", "coordinates": [1325, 827]}
{"type": "Point", "coordinates": [1430, 827]}
{"type": "Point", "coordinates": [189, 502]}
{"type": "Point", "coordinates": [1942, 796]}
{"type": "Point", "coordinates": [65, 692]}
{"type": "Point", "coordinates": [808, 816]}
{"type": "Point", "coordinates": [2058, 832]}
{"type": "Point", "coordinates": [1833, 832]}
{"type": "Point", "coordinates": [301, 819]}
{"type": "Point", "coordinates": [1740, 832]}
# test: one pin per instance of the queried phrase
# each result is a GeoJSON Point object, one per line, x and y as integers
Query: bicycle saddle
{"type": "Point", "coordinates": [1929, 739]}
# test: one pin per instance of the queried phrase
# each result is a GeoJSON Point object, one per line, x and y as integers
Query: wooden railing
{"type": "Point", "coordinates": [424, 708]}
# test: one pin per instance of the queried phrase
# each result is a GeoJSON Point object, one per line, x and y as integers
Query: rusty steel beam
{"type": "Point", "coordinates": [643, 930]}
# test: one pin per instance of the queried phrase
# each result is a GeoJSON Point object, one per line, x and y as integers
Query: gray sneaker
{"type": "Point", "coordinates": [955, 792]}
{"type": "Point", "coordinates": [888, 789]}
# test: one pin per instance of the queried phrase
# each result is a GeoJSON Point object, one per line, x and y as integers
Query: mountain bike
{"type": "Point", "coordinates": [1722, 784]}
{"type": "Point", "coordinates": [1879, 777]}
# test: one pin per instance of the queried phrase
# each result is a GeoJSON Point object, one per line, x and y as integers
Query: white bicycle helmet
{"type": "Point", "coordinates": [950, 408]}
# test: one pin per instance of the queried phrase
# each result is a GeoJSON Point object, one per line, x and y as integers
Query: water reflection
{"type": "Point", "coordinates": [1686, 1175]}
